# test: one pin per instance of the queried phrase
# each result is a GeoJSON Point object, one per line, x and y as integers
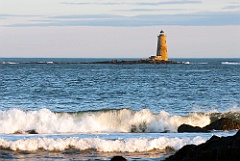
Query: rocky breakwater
{"type": "Point", "coordinates": [215, 149]}
{"type": "Point", "coordinates": [142, 61]}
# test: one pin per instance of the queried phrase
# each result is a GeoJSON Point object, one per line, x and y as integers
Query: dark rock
{"type": "Point", "coordinates": [189, 128]}
{"type": "Point", "coordinates": [26, 132]}
{"type": "Point", "coordinates": [133, 128]}
{"type": "Point", "coordinates": [18, 132]}
{"type": "Point", "coordinates": [118, 158]}
{"type": "Point", "coordinates": [221, 124]}
{"type": "Point", "coordinates": [169, 150]}
{"type": "Point", "coordinates": [141, 61]}
{"type": "Point", "coordinates": [32, 131]}
{"type": "Point", "coordinates": [215, 149]}
{"type": "Point", "coordinates": [179, 155]}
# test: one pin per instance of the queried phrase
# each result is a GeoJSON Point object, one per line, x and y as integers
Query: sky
{"type": "Point", "coordinates": [119, 28]}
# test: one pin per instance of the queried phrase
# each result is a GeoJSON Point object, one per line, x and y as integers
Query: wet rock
{"type": "Point", "coordinates": [221, 124]}
{"type": "Point", "coordinates": [141, 61]}
{"type": "Point", "coordinates": [215, 149]}
{"type": "Point", "coordinates": [26, 132]}
{"type": "Point", "coordinates": [133, 128]}
{"type": "Point", "coordinates": [31, 131]}
{"type": "Point", "coordinates": [142, 127]}
{"type": "Point", "coordinates": [189, 128]}
{"type": "Point", "coordinates": [169, 150]}
{"type": "Point", "coordinates": [18, 132]}
{"type": "Point", "coordinates": [118, 158]}
{"type": "Point", "coordinates": [183, 152]}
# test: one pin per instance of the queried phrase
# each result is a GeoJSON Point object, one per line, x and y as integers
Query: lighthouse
{"type": "Point", "coordinates": [162, 54]}
{"type": "Point", "coordinates": [162, 46]}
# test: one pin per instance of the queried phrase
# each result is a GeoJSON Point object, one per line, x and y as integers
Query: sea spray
{"type": "Point", "coordinates": [123, 120]}
{"type": "Point", "coordinates": [98, 144]}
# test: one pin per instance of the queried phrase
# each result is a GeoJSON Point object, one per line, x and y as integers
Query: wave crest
{"type": "Point", "coordinates": [123, 120]}
{"type": "Point", "coordinates": [101, 145]}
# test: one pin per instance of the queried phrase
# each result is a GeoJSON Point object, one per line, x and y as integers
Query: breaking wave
{"type": "Point", "coordinates": [112, 121]}
{"type": "Point", "coordinates": [123, 120]}
{"type": "Point", "coordinates": [98, 144]}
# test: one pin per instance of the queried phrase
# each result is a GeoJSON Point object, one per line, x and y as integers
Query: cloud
{"type": "Point", "coordinates": [14, 15]}
{"type": "Point", "coordinates": [231, 7]}
{"type": "Point", "coordinates": [126, 13]}
{"type": "Point", "coordinates": [196, 19]}
{"type": "Point", "coordinates": [7, 15]}
{"type": "Point", "coordinates": [169, 2]}
{"type": "Point", "coordinates": [93, 3]}
{"type": "Point", "coordinates": [179, 2]}
{"type": "Point", "coordinates": [95, 16]}
{"type": "Point", "coordinates": [150, 10]}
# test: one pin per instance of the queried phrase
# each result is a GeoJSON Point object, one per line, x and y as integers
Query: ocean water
{"type": "Point", "coordinates": [95, 111]}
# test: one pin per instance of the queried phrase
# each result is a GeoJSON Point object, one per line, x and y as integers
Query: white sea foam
{"type": "Point", "coordinates": [187, 62]}
{"type": "Point", "coordinates": [231, 63]}
{"type": "Point", "coordinates": [200, 63]}
{"type": "Point", "coordinates": [124, 120]}
{"type": "Point", "coordinates": [203, 63]}
{"type": "Point", "coordinates": [9, 63]}
{"type": "Point", "coordinates": [101, 145]}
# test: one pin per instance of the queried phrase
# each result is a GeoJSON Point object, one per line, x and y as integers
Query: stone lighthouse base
{"type": "Point", "coordinates": [156, 58]}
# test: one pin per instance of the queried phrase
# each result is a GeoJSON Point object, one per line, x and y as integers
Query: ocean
{"type": "Point", "coordinates": [95, 111]}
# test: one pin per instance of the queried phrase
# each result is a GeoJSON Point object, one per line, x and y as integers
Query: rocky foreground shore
{"type": "Point", "coordinates": [215, 149]}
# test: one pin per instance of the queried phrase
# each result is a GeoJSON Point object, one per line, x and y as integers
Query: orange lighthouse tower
{"type": "Point", "coordinates": [162, 54]}
{"type": "Point", "coordinates": [162, 46]}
